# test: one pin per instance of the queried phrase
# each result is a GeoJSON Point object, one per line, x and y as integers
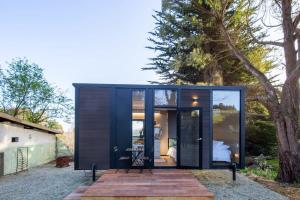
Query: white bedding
{"type": "Point", "coordinates": [172, 153]}
{"type": "Point", "coordinates": [221, 151]}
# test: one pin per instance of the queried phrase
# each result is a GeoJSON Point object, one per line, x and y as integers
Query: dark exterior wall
{"type": "Point", "coordinates": [92, 133]}
{"type": "Point", "coordinates": [186, 100]}
{"type": "Point", "coordinates": [122, 126]}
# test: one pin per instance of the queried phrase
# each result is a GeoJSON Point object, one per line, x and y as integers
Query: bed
{"type": "Point", "coordinates": [221, 151]}
{"type": "Point", "coordinates": [172, 152]}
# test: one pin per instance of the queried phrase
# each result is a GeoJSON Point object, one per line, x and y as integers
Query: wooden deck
{"type": "Point", "coordinates": [160, 184]}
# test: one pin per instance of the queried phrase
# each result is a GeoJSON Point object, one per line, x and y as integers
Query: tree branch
{"type": "Point", "coordinates": [274, 43]}
{"type": "Point", "coordinates": [270, 90]}
{"type": "Point", "coordinates": [295, 75]}
{"type": "Point", "coordinates": [296, 20]}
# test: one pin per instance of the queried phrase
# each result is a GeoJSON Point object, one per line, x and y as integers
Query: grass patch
{"type": "Point", "coordinates": [269, 173]}
{"type": "Point", "coordinates": [296, 185]}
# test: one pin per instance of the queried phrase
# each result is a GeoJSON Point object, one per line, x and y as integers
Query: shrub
{"type": "Point", "coordinates": [261, 138]}
{"type": "Point", "coordinates": [263, 167]}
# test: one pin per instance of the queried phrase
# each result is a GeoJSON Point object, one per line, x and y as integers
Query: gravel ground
{"type": "Point", "coordinates": [42, 183]}
{"type": "Point", "coordinates": [50, 183]}
{"type": "Point", "coordinates": [220, 182]}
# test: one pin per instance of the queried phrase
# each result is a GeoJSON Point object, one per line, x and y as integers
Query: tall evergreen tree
{"type": "Point", "coordinates": [281, 102]}
{"type": "Point", "coordinates": [189, 49]}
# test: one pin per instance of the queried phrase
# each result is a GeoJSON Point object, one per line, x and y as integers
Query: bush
{"type": "Point", "coordinates": [263, 167]}
{"type": "Point", "coordinates": [261, 138]}
{"type": "Point", "coordinates": [268, 173]}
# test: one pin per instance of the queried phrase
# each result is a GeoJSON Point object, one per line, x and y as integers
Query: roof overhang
{"type": "Point", "coordinates": [28, 125]}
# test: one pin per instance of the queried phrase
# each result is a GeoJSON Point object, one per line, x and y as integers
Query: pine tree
{"type": "Point", "coordinates": [189, 49]}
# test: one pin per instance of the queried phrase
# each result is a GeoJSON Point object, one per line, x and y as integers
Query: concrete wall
{"type": "Point", "coordinates": [41, 146]}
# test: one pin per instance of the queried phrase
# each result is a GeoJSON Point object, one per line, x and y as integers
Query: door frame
{"type": "Point", "coordinates": [179, 136]}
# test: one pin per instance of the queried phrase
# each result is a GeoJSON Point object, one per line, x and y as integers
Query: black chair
{"type": "Point", "coordinates": [147, 162]}
{"type": "Point", "coordinates": [127, 160]}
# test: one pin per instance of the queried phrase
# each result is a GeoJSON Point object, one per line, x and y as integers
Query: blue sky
{"type": "Point", "coordinates": [80, 41]}
{"type": "Point", "coordinates": [228, 98]}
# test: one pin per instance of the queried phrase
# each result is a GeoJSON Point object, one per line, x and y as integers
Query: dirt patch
{"type": "Point", "coordinates": [214, 177]}
{"type": "Point", "coordinates": [285, 189]}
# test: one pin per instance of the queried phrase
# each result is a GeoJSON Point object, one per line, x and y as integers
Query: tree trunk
{"type": "Point", "coordinates": [289, 158]}
{"type": "Point", "coordinates": [213, 75]}
{"type": "Point", "coordinates": [284, 109]}
{"type": "Point", "coordinates": [286, 121]}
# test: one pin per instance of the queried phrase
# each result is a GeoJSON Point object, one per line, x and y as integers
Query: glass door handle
{"type": "Point", "coordinates": [199, 139]}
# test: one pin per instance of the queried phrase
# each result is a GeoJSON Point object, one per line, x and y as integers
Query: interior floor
{"type": "Point", "coordinates": [165, 161]}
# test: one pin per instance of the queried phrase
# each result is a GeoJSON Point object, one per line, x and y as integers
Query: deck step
{"type": "Point", "coordinates": [156, 185]}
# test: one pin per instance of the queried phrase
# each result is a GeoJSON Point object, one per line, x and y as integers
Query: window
{"type": "Point", "coordinates": [165, 98]}
{"type": "Point", "coordinates": [226, 126]}
{"type": "Point", "coordinates": [137, 128]}
{"type": "Point", "coordinates": [15, 139]}
{"type": "Point", "coordinates": [138, 121]}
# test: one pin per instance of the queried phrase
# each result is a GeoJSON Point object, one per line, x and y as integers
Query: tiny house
{"type": "Point", "coordinates": [158, 126]}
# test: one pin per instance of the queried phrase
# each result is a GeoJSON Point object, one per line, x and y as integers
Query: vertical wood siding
{"type": "Point", "coordinates": [123, 127]}
{"type": "Point", "coordinates": [93, 111]}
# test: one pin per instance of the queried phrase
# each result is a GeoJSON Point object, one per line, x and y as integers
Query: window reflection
{"type": "Point", "coordinates": [138, 120]}
{"type": "Point", "coordinates": [226, 126]}
{"type": "Point", "coordinates": [165, 98]}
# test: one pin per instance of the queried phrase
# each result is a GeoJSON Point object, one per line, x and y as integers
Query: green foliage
{"type": "Point", "coordinates": [261, 162]}
{"type": "Point", "coordinates": [261, 138]}
{"type": "Point", "coordinates": [270, 174]}
{"type": "Point", "coordinates": [63, 146]}
{"type": "Point", "coordinates": [25, 93]}
{"type": "Point", "coordinates": [53, 124]}
{"type": "Point", "coordinates": [190, 47]}
{"type": "Point", "coordinates": [269, 170]}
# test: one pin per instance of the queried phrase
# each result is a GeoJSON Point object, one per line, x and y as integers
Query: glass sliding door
{"type": "Point", "coordinates": [190, 138]}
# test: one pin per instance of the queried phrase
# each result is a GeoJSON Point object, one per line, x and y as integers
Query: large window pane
{"type": "Point", "coordinates": [165, 137]}
{"type": "Point", "coordinates": [226, 126]}
{"type": "Point", "coordinates": [165, 98]}
{"type": "Point", "coordinates": [138, 121]}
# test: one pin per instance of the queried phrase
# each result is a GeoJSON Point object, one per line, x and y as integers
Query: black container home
{"type": "Point", "coordinates": [158, 126]}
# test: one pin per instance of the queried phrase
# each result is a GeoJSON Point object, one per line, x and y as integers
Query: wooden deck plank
{"type": "Point", "coordinates": [161, 184]}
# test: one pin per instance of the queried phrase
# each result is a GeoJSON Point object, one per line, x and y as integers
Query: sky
{"type": "Point", "coordinates": [92, 41]}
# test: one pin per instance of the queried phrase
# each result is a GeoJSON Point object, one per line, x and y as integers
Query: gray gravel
{"type": "Point", "coordinates": [50, 183]}
{"type": "Point", "coordinates": [220, 182]}
{"type": "Point", "coordinates": [42, 183]}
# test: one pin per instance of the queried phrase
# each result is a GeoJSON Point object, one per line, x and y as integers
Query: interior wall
{"type": "Point", "coordinates": [172, 123]}
{"type": "Point", "coordinates": [164, 137]}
